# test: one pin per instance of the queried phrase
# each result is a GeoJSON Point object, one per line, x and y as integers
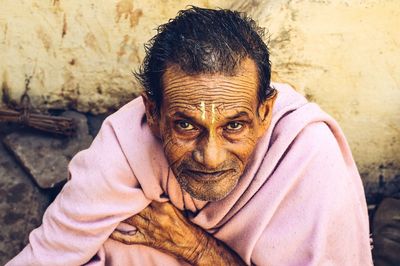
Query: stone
{"type": "Point", "coordinates": [21, 206]}
{"type": "Point", "coordinates": [386, 233]}
{"type": "Point", "coordinates": [392, 187]}
{"type": "Point", "coordinates": [45, 157]}
{"type": "Point", "coordinates": [375, 192]}
{"type": "Point", "coordinates": [95, 122]}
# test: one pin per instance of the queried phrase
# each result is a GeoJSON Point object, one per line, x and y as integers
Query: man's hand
{"type": "Point", "coordinates": [164, 228]}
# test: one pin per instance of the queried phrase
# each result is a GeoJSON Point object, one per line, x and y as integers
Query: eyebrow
{"type": "Point", "coordinates": [239, 115]}
{"type": "Point", "coordinates": [183, 115]}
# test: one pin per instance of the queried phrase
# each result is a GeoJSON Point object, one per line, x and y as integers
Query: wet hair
{"type": "Point", "coordinates": [205, 41]}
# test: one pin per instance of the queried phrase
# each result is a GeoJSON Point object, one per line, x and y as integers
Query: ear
{"type": "Point", "coordinates": [265, 109]}
{"type": "Point", "coordinates": [152, 115]}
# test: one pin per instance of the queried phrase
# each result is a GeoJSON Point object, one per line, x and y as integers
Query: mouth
{"type": "Point", "coordinates": [207, 176]}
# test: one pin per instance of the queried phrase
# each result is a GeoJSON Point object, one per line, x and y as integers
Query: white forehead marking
{"type": "Point", "coordinates": [203, 110]}
{"type": "Point", "coordinates": [212, 113]}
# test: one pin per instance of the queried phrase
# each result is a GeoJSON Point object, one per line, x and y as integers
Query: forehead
{"type": "Point", "coordinates": [183, 91]}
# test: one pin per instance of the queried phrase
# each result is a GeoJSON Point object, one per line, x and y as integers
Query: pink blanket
{"type": "Point", "coordinates": [300, 202]}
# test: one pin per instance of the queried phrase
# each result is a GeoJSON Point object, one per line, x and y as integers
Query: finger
{"type": "Point", "coordinates": [164, 208]}
{"type": "Point", "coordinates": [168, 207]}
{"type": "Point", "coordinates": [146, 212]}
{"type": "Point", "coordinates": [129, 238]}
{"type": "Point", "coordinates": [161, 205]}
{"type": "Point", "coordinates": [138, 221]}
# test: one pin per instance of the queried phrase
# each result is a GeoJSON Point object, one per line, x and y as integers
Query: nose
{"type": "Point", "coordinates": [210, 153]}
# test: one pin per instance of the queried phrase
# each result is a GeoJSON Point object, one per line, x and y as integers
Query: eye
{"type": "Point", "coordinates": [234, 126]}
{"type": "Point", "coordinates": [184, 125]}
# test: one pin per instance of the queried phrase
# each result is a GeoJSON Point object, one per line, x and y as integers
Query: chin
{"type": "Point", "coordinates": [206, 190]}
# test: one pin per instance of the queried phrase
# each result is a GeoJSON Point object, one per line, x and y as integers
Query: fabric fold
{"type": "Point", "coordinates": [299, 202]}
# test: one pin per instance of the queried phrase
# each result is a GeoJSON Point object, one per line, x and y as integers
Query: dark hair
{"type": "Point", "coordinates": [201, 40]}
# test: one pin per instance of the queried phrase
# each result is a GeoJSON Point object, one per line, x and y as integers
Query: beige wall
{"type": "Point", "coordinates": [79, 53]}
{"type": "Point", "coordinates": [342, 54]}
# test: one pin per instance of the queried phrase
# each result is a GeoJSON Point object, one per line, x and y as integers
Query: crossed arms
{"type": "Point", "coordinates": [164, 228]}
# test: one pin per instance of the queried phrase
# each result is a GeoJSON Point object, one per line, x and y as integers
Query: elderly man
{"type": "Point", "coordinates": [212, 165]}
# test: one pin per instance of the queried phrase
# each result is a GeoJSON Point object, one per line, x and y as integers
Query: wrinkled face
{"type": "Point", "coordinates": [209, 126]}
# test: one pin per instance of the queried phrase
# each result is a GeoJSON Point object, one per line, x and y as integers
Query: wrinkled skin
{"type": "Point", "coordinates": [209, 126]}
{"type": "Point", "coordinates": [164, 228]}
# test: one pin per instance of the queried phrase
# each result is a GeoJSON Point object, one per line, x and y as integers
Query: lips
{"type": "Point", "coordinates": [207, 176]}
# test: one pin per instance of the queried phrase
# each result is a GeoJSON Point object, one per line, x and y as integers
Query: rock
{"type": "Point", "coordinates": [375, 192]}
{"type": "Point", "coordinates": [45, 157]}
{"type": "Point", "coordinates": [95, 122]}
{"type": "Point", "coordinates": [386, 233]}
{"type": "Point", "coordinates": [21, 206]}
{"type": "Point", "coordinates": [392, 187]}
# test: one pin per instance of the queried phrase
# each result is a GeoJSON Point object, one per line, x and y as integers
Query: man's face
{"type": "Point", "coordinates": [209, 126]}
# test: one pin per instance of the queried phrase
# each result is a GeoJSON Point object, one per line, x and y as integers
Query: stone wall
{"type": "Point", "coordinates": [341, 54]}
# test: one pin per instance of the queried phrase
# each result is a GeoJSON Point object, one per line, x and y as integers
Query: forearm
{"type": "Point", "coordinates": [163, 227]}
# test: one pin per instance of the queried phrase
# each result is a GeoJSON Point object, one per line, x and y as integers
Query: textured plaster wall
{"type": "Point", "coordinates": [343, 55]}
{"type": "Point", "coordinates": [79, 53]}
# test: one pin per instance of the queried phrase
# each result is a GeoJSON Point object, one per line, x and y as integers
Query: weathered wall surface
{"type": "Point", "coordinates": [79, 53]}
{"type": "Point", "coordinates": [343, 55]}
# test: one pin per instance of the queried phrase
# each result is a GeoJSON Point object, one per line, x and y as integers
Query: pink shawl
{"type": "Point", "coordinates": [300, 202]}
